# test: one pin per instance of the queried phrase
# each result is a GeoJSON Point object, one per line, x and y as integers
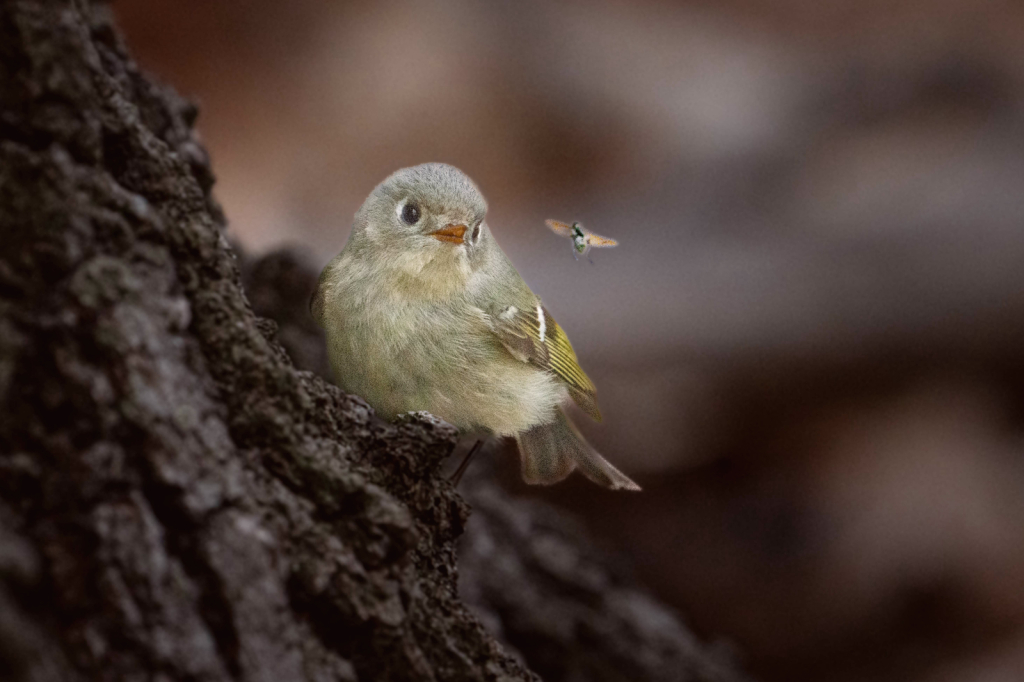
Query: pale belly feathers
{"type": "Point", "coordinates": [438, 358]}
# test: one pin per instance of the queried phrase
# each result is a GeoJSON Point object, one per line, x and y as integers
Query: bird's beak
{"type": "Point", "coordinates": [452, 234]}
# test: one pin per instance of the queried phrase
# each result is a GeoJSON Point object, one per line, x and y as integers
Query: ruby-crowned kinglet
{"type": "Point", "coordinates": [423, 311]}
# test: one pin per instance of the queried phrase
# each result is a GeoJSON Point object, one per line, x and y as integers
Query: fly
{"type": "Point", "coordinates": [582, 238]}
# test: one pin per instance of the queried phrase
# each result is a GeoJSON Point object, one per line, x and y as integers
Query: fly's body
{"type": "Point", "coordinates": [579, 239]}
{"type": "Point", "coordinates": [582, 238]}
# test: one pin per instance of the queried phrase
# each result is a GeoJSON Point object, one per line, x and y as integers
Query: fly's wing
{"type": "Point", "coordinates": [559, 228]}
{"type": "Point", "coordinates": [532, 335]}
{"type": "Point", "coordinates": [598, 240]}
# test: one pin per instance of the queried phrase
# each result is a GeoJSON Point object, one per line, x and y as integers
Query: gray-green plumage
{"type": "Point", "coordinates": [429, 314]}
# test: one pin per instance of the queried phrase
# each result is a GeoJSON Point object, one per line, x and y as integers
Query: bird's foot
{"type": "Point", "coordinates": [457, 476]}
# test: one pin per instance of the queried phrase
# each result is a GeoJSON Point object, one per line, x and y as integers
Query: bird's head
{"type": "Point", "coordinates": [426, 222]}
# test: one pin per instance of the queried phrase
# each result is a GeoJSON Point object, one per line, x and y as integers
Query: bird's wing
{"type": "Point", "coordinates": [318, 299]}
{"type": "Point", "coordinates": [531, 335]}
{"type": "Point", "coordinates": [559, 228]}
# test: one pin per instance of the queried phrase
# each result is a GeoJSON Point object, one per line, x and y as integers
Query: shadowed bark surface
{"type": "Point", "coordinates": [177, 500]}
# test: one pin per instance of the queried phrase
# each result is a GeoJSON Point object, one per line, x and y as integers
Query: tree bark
{"type": "Point", "coordinates": [177, 500]}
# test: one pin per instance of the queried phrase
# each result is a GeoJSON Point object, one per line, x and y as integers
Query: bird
{"type": "Point", "coordinates": [423, 311]}
{"type": "Point", "coordinates": [582, 238]}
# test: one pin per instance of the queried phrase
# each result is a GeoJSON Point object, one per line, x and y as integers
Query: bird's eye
{"type": "Point", "coordinates": [410, 214]}
{"type": "Point", "coordinates": [476, 233]}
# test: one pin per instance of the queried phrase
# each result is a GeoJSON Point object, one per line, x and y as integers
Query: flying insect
{"type": "Point", "coordinates": [582, 238]}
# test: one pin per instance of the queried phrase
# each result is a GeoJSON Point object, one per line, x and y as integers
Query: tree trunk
{"type": "Point", "coordinates": [177, 500]}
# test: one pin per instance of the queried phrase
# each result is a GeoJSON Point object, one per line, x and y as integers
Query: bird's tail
{"type": "Point", "coordinates": [549, 452]}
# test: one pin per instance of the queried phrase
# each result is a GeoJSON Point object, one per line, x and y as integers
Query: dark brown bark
{"type": "Point", "coordinates": [177, 500]}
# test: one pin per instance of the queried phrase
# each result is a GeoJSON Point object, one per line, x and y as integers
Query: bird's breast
{"type": "Point", "coordinates": [403, 356]}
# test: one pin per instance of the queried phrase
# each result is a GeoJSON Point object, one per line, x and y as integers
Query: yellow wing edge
{"type": "Point", "coordinates": [563, 362]}
{"type": "Point", "coordinates": [521, 337]}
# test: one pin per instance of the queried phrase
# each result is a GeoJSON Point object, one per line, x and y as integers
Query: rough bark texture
{"type": "Point", "coordinates": [177, 500]}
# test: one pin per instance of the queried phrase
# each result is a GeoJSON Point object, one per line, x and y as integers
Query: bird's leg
{"type": "Point", "coordinates": [457, 476]}
{"type": "Point", "coordinates": [589, 260]}
{"type": "Point", "coordinates": [574, 255]}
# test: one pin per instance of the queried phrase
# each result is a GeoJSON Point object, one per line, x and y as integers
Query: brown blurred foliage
{"type": "Point", "coordinates": [808, 346]}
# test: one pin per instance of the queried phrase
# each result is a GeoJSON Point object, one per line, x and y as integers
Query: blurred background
{"type": "Point", "coordinates": [809, 345]}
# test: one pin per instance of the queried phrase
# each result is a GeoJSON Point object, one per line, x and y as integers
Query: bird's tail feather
{"type": "Point", "coordinates": [549, 452]}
